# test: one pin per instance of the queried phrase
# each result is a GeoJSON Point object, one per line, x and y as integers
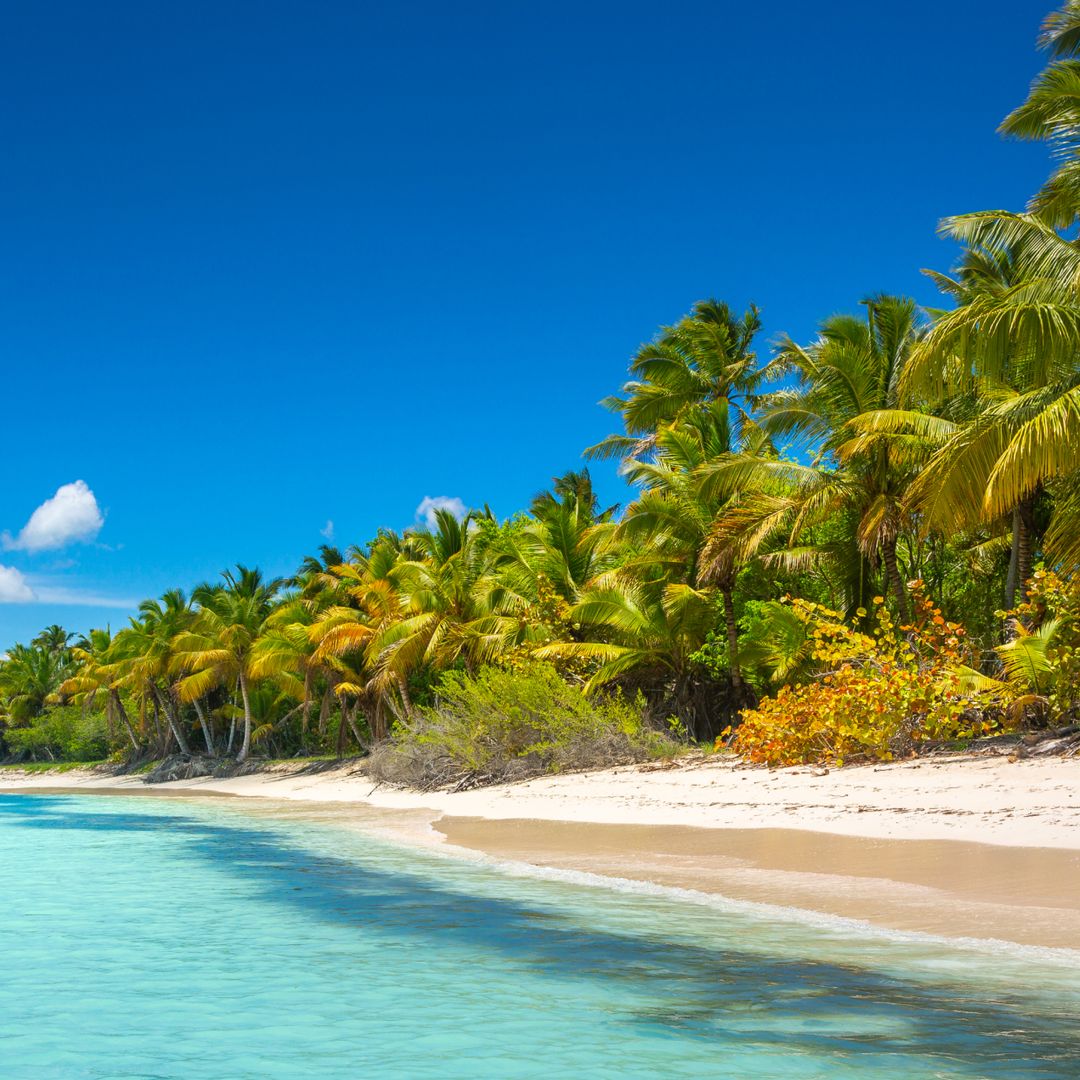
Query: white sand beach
{"type": "Point", "coordinates": [983, 847]}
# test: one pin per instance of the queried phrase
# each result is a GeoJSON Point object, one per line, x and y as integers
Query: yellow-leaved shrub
{"type": "Point", "coordinates": [875, 696]}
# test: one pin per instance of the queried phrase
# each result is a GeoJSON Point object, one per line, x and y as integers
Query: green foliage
{"type": "Point", "coordinates": [1042, 661]}
{"type": "Point", "coordinates": [774, 645]}
{"type": "Point", "coordinates": [506, 724]}
{"type": "Point", "coordinates": [66, 733]}
{"type": "Point", "coordinates": [1058, 600]}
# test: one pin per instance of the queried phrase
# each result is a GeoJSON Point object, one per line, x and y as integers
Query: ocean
{"type": "Point", "coordinates": [174, 939]}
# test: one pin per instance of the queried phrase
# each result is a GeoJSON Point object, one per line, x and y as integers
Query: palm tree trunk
{"type": "Point", "coordinates": [1013, 575]}
{"type": "Point", "coordinates": [893, 570]}
{"type": "Point", "coordinates": [118, 705]}
{"type": "Point", "coordinates": [174, 724]}
{"type": "Point", "coordinates": [406, 701]}
{"type": "Point", "coordinates": [340, 747]}
{"type": "Point", "coordinates": [305, 712]}
{"type": "Point", "coordinates": [733, 643]}
{"type": "Point", "coordinates": [246, 746]}
{"type": "Point", "coordinates": [353, 728]}
{"type": "Point", "coordinates": [208, 736]}
{"type": "Point", "coordinates": [1025, 550]}
{"type": "Point", "coordinates": [324, 709]}
{"type": "Point", "coordinates": [162, 739]}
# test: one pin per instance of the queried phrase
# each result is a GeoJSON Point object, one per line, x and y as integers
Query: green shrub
{"type": "Point", "coordinates": [64, 733]}
{"type": "Point", "coordinates": [502, 725]}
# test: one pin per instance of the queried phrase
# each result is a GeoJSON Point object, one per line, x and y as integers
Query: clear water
{"type": "Point", "coordinates": [163, 939]}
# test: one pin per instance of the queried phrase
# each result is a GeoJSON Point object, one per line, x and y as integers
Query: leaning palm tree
{"type": "Point", "coordinates": [91, 657]}
{"type": "Point", "coordinates": [219, 648]}
{"type": "Point", "coordinates": [140, 660]}
{"type": "Point", "coordinates": [289, 652]}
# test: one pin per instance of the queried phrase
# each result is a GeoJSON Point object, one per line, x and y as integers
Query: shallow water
{"type": "Point", "coordinates": [162, 939]}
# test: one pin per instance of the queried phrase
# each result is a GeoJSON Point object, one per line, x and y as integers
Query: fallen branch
{"type": "Point", "coordinates": [1037, 737]}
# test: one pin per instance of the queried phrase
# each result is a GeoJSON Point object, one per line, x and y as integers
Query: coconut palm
{"type": "Point", "coordinates": [670, 522]}
{"type": "Point", "coordinates": [30, 677]}
{"type": "Point", "coordinates": [219, 648]}
{"type": "Point", "coordinates": [366, 602]}
{"type": "Point", "coordinates": [567, 543]}
{"type": "Point", "coordinates": [572, 490]}
{"type": "Point", "coordinates": [648, 634]}
{"type": "Point", "coordinates": [858, 476]}
{"type": "Point", "coordinates": [704, 361]}
{"type": "Point", "coordinates": [1051, 114]}
{"type": "Point", "coordinates": [315, 573]}
{"type": "Point", "coordinates": [140, 659]}
{"type": "Point", "coordinates": [1012, 349]}
{"type": "Point", "coordinates": [91, 657]}
{"type": "Point", "coordinates": [53, 639]}
{"type": "Point", "coordinates": [446, 608]}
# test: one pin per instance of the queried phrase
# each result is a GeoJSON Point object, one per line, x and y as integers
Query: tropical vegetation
{"type": "Point", "coordinates": [830, 550]}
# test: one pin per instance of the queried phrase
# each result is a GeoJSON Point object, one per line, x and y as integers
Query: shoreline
{"type": "Point", "coordinates": [961, 848]}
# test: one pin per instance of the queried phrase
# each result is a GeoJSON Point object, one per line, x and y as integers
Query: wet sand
{"type": "Point", "coordinates": [1030, 896]}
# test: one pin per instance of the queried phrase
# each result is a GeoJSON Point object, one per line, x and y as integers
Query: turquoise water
{"type": "Point", "coordinates": [164, 939]}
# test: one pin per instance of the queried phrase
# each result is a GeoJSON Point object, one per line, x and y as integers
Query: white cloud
{"type": "Point", "coordinates": [14, 588]}
{"type": "Point", "coordinates": [327, 530]}
{"type": "Point", "coordinates": [71, 515]}
{"type": "Point", "coordinates": [17, 588]}
{"type": "Point", "coordinates": [79, 598]}
{"type": "Point", "coordinates": [425, 512]}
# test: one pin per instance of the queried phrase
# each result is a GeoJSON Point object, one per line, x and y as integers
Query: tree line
{"type": "Point", "coordinates": [900, 445]}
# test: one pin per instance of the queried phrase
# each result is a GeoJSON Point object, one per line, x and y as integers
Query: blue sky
{"type": "Point", "coordinates": [271, 266]}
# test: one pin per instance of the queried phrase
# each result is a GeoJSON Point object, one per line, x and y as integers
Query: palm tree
{"type": "Point", "coordinates": [571, 490]}
{"type": "Point", "coordinates": [1013, 341]}
{"type": "Point", "coordinates": [670, 523]}
{"type": "Point", "coordinates": [1051, 114]}
{"type": "Point", "coordinates": [53, 639]}
{"type": "Point", "coordinates": [703, 362]}
{"type": "Point", "coordinates": [1012, 348]}
{"type": "Point", "coordinates": [141, 659]}
{"type": "Point", "coordinates": [92, 657]}
{"type": "Point", "coordinates": [445, 610]}
{"type": "Point", "coordinates": [566, 543]}
{"type": "Point", "coordinates": [365, 603]}
{"type": "Point", "coordinates": [858, 476]}
{"type": "Point", "coordinates": [289, 652]}
{"type": "Point", "coordinates": [29, 678]}
{"type": "Point", "coordinates": [220, 647]}
{"type": "Point", "coordinates": [315, 572]}
{"type": "Point", "coordinates": [652, 632]}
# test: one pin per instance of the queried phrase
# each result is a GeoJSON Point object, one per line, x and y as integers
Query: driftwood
{"type": "Point", "coordinates": [1037, 737]}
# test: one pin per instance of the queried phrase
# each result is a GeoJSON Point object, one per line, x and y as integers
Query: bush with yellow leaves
{"type": "Point", "coordinates": [876, 695]}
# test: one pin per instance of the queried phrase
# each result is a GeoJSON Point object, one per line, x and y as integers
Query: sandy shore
{"type": "Point", "coordinates": [981, 848]}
